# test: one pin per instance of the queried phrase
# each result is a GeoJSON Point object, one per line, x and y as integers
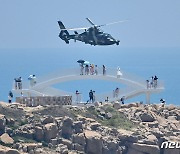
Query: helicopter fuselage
{"type": "Point", "coordinates": [92, 35]}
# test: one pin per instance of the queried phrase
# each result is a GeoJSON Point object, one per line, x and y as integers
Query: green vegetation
{"type": "Point", "coordinates": [23, 122]}
{"type": "Point", "coordinates": [117, 120]}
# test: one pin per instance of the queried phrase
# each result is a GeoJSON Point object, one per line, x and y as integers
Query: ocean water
{"type": "Point", "coordinates": [143, 62]}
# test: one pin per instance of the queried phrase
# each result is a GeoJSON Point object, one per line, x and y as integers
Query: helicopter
{"type": "Point", "coordinates": [92, 35]}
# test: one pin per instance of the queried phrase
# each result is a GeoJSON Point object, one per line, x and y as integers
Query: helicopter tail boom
{"type": "Point", "coordinates": [64, 34]}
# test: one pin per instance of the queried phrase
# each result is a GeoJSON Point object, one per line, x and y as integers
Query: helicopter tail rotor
{"type": "Point", "coordinates": [117, 42]}
{"type": "Point", "coordinates": [64, 35]}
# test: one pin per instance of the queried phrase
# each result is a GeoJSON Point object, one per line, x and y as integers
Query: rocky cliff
{"type": "Point", "coordinates": [100, 129]}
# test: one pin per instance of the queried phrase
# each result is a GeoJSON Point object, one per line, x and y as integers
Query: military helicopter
{"type": "Point", "coordinates": [92, 35]}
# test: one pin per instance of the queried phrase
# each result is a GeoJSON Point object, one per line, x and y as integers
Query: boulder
{"type": "Point", "coordinates": [153, 124]}
{"type": "Point", "coordinates": [67, 128]}
{"type": "Point", "coordinates": [171, 151]}
{"type": "Point", "coordinates": [108, 115]}
{"type": "Point", "coordinates": [117, 105]}
{"type": "Point", "coordinates": [97, 104]}
{"type": "Point", "coordinates": [93, 142]}
{"type": "Point", "coordinates": [132, 105]}
{"type": "Point", "coordinates": [39, 133]}
{"type": "Point", "coordinates": [47, 120]}
{"type": "Point", "coordinates": [62, 149]}
{"type": "Point", "coordinates": [31, 146]}
{"type": "Point", "coordinates": [78, 147]}
{"type": "Point", "coordinates": [78, 127]}
{"type": "Point", "coordinates": [146, 117]}
{"type": "Point", "coordinates": [94, 125]}
{"type": "Point", "coordinates": [10, 121]}
{"type": "Point", "coordinates": [146, 148]}
{"type": "Point", "coordinates": [26, 131]}
{"type": "Point", "coordinates": [170, 107]}
{"type": "Point", "coordinates": [50, 131]}
{"type": "Point", "coordinates": [66, 142]}
{"type": "Point", "coordinates": [134, 151]}
{"type": "Point", "coordinates": [6, 139]}
{"type": "Point", "coordinates": [7, 150]}
{"type": "Point", "coordinates": [79, 138]}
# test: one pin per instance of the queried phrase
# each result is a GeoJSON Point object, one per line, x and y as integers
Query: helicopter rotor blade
{"type": "Point", "coordinates": [82, 28]}
{"type": "Point", "coordinates": [121, 21]}
{"type": "Point", "coordinates": [90, 22]}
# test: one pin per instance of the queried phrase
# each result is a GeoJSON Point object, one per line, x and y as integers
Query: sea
{"type": "Point", "coordinates": [142, 62]}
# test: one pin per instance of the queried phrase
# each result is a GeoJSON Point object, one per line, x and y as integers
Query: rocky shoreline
{"type": "Point", "coordinates": [100, 129]}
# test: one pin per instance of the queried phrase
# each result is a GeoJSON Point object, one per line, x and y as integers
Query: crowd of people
{"type": "Point", "coordinates": [18, 81]}
{"type": "Point", "coordinates": [152, 83]}
{"type": "Point", "coordinates": [90, 69]}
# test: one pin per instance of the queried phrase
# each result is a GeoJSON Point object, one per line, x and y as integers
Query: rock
{"type": "Point", "coordinates": [39, 133]}
{"type": "Point", "coordinates": [171, 151]}
{"type": "Point", "coordinates": [133, 105]}
{"type": "Point", "coordinates": [26, 131]}
{"type": "Point", "coordinates": [93, 142]}
{"type": "Point", "coordinates": [54, 141]}
{"type": "Point", "coordinates": [6, 139]}
{"type": "Point", "coordinates": [7, 150]}
{"type": "Point", "coordinates": [117, 105]}
{"type": "Point", "coordinates": [62, 149]}
{"type": "Point", "coordinates": [31, 146]}
{"type": "Point", "coordinates": [66, 142]}
{"type": "Point", "coordinates": [79, 138]}
{"type": "Point", "coordinates": [67, 128]}
{"type": "Point", "coordinates": [108, 115]}
{"type": "Point", "coordinates": [78, 127]}
{"type": "Point", "coordinates": [50, 131]}
{"type": "Point", "coordinates": [156, 132]}
{"type": "Point", "coordinates": [100, 117]}
{"type": "Point", "coordinates": [146, 117]}
{"type": "Point", "coordinates": [153, 124]}
{"type": "Point", "coordinates": [12, 151]}
{"type": "Point", "coordinates": [170, 107]}
{"type": "Point", "coordinates": [78, 147]}
{"type": "Point", "coordinates": [94, 125]}
{"type": "Point", "coordinates": [2, 123]}
{"type": "Point", "coordinates": [47, 120]}
{"type": "Point", "coordinates": [134, 151]}
{"type": "Point", "coordinates": [150, 140]}
{"type": "Point", "coordinates": [97, 104]}
{"type": "Point", "coordinates": [102, 113]}
{"type": "Point", "coordinates": [172, 117]}
{"type": "Point", "coordinates": [146, 148]}
{"type": "Point", "coordinates": [10, 121]}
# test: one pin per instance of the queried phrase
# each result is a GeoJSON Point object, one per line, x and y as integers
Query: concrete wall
{"type": "Point", "coordinates": [45, 100]}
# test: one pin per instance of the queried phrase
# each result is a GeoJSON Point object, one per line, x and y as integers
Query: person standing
{"type": "Point", "coordinates": [94, 97]}
{"type": "Point", "coordinates": [152, 82]}
{"type": "Point", "coordinates": [19, 83]}
{"type": "Point", "coordinates": [155, 81]}
{"type": "Point", "coordinates": [81, 69]}
{"type": "Point", "coordinates": [91, 96]}
{"type": "Point", "coordinates": [104, 70]}
{"type": "Point", "coordinates": [86, 70]}
{"type": "Point", "coordinates": [96, 70]}
{"type": "Point", "coordinates": [32, 79]}
{"type": "Point", "coordinates": [78, 99]}
{"type": "Point", "coordinates": [119, 74]}
{"type": "Point", "coordinates": [148, 84]}
{"type": "Point", "coordinates": [10, 96]}
{"type": "Point", "coordinates": [122, 99]}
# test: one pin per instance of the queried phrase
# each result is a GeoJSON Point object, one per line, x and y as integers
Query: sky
{"type": "Point", "coordinates": [33, 24]}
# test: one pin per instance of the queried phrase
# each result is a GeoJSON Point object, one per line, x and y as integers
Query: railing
{"type": "Point", "coordinates": [43, 83]}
